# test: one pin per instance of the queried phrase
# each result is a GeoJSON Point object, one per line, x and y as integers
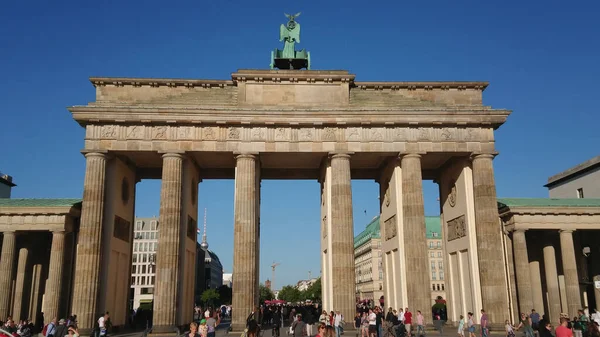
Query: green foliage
{"type": "Point", "coordinates": [210, 297]}
{"type": "Point", "coordinates": [290, 294]}
{"type": "Point", "coordinates": [313, 292]}
{"type": "Point", "coordinates": [265, 294]}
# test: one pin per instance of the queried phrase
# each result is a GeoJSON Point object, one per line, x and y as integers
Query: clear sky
{"type": "Point", "coordinates": [540, 57]}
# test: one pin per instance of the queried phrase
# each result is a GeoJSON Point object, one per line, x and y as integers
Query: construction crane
{"type": "Point", "coordinates": [273, 266]}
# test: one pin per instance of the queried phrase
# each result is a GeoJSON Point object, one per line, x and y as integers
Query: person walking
{"type": "Point", "coordinates": [420, 324]}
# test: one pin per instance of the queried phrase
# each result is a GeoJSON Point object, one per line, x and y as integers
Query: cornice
{"type": "Point", "coordinates": [158, 82]}
{"type": "Point", "coordinates": [292, 76]}
{"type": "Point", "coordinates": [346, 116]}
{"type": "Point", "coordinates": [422, 85]}
{"type": "Point", "coordinates": [506, 212]}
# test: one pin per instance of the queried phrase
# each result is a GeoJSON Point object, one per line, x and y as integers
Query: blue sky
{"type": "Point", "coordinates": [540, 57]}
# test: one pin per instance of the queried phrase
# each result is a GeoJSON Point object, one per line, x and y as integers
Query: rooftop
{"type": "Point", "coordinates": [372, 231]}
{"type": "Point", "coordinates": [6, 180]}
{"type": "Point", "coordinates": [38, 202]}
{"type": "Point", "coordinates": [547, 202]}
{"type": "Point", "coordinates": [578, 169]}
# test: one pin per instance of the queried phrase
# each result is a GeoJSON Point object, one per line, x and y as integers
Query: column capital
{"type": "Point", "coordinates": [58, 231]}
{"type": "Point", "coordinates": [411, 155]}
{"type": "Point", "coordinates": [335, 155]}
{"type": "Point", "coordinates": [9, 231]}
{"type": "Point", "coordinates": [99, 154]}
{"type": "Point", "coordinates": [245, 155]}
{"type": "Point", "coordinates": [173, 154]}
{"type": "Point", "coordinates": [490, 155]}
{"type": "Point", "coordinates": [519, 230]}
{"type": "Point", "coordinates": [567, 230]}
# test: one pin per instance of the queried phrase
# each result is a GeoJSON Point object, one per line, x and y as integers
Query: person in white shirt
{"type": "Point", "coordinates": [372, 323]}
{"type": "Point", "coordinates": [596, 316]}
{"type": "Point", "coordinates": [401, 316]}
{"type": "Point", "coordinates": [338, 320]}
{"type": "Point", "coordinates": [102, 324]}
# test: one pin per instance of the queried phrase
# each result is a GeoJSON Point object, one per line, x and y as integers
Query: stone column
{"type": "Point", "coordinates": [523, 273]}
{"type": "Point", "coordinates": [536, 287]}
{"type": "Point", "coordinates": [87, 275]}
{"type": "Point", "coordinates": [36, 279]}
{"type": "Point", "coordinates": [54, 282]}
{"type": "Point", "coordinates": [245, 239]}
{"type": "Point", "coordinates": [415, 240]}
{"type": "Point", "coordinates": [167, 255]}
{"type": "Point", "coordinates": [552, 284]}
{"type": "Point", "coordinates": [342, 237]}
{"type": "Point", "coordinates": [569, 265]}
{"type": "Point", "coordinates": [7, 264]}
{"type": "Point", "coordinates": [488, 235]}
{"type": "Point", "coordinates": [19, 285]}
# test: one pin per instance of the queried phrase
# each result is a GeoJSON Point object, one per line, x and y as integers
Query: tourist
{"type": "Point", "coordinates": [563, 330]}
{"type": "Point", "coordinates": [470, 324]}
{"type": "Point", "coordinates": [484, 324]}
{"type": "Point", "coordinates": [276, 323]}
{"type": "Point", "coordinates": [338, 323]}
{"type": "Point", "coordinates": [253, 329]}
{"type": "Point", "coordinates": [299, 327]}
{"type": "Point", "coordinates": [545, 329]}
{"type": "Point", "coordinates": [421, 324]}
{"type": "Point", "coordinates": [510, 331]}
{"type": "Point", "coordinates": [72, 331]}
{"type": "Point", "coordinates": [461, 326]}
{"type": "Point", "coordinates": [203, 329]}
{"type": "Point", "coordinates": [535, 320]}
{"type": "Point", "coordinates": [525, 323]}
{"type": "Point", "coordinates": [321, 330]}
{"type": "Point", "coordinates": [323, 318]}
{"type": "Point", "coordinates": [103, 324]}
{"type": "Point", "coordinates": [212, 323]}
{"type": "Point", "coordinates": [364, 325]}
{"type": "Point", "coordinates": [408, 321]}
{"type": "Point", "coordinates": [596, 316]}
{"type": "Point", "coordinates": [372, 323]}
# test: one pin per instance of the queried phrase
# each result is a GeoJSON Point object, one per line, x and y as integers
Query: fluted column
{"type": "Point", "coordinates": [569, 265]}
{"type": "Point", "coordinates": [342, 237]}
{"type": "Point", "coordinates": [7, 264]}
{"type": "Point", "coordinates": [488, 235]}
{"type": "Point", "coordinates": [87, 269]}
{"type": "Point", "coordinates": [245, 239]}
{"type": "Point", "coordinates": [167, 255]}
{"type": "Point", "coordinates": [19, 285]}
{"type": "Point", "coordinates": [552, 283]}
{"type": "Point", "coordinates": [54, 282]}
{"type": "Point", "coordinates": [523, 273]}
{"type": "Point", "coordinates": [35, 292]}
{"type": "Point", "coordinates": [415, 240]}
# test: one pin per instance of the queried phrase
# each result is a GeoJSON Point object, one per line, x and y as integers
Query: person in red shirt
{"type": "Point", "coordinates": [563, 330]}
{"type": "Point", "coordinates": [407, 320]}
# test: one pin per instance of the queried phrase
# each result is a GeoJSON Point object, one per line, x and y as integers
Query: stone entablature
{"type": "Point", "coordinates": [551, 218]}
{"type": "Point", "coordinates": [38, 218]}
{"type": "Point", "coordinates": [287, 139]}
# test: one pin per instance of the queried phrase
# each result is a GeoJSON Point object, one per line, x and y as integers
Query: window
{"type": "Point", "coordinates": [133, 281]}
{"type": "Point", "coordinates": [381, 275]}
{"type": "Point", "coordinates": [443, 287]}
{"type": "Point", "coordinates": [433, 287]}
{"type": "Point", "coordinates": [434, 234]}
{"type": "Point", "coordinates": [138, 225]}
{"type": "Point", "coordinates": [431, 244]}
{"type": "Point", "coordinates": [441, 275]}
{"type": "Point", "coordinates": [580, 193]}
{"type": "Point", "coordinates": [439, 254]}
{"type": "Point", "coordinates": [438, 287]}
{"type": "Point", "coordinates": [439, 244]}
{"type": "Point", "coordinates": [153, 225]}
{"type": "Point", "coordinates": [440, 265]}
{"type": "Point", "coordinates": [432, 254]}
{"type": "Point", "coordinates": [432, 265]}
{"type": "Point", "coordinates": [144, 269]}
{"type": "Point", "coordinates": [433, 276]}
{"type": "Point", "coordinates": [134, 257]}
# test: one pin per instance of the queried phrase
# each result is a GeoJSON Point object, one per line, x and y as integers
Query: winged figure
{"type": "Point", "coordinates": [290, 35]}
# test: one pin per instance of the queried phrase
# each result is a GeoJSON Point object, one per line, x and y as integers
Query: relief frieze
{"type": "Point", "coordinates": [287, 134]}
{"type": "Point", "coordinates": [457, 228]}
{"type": "Point", "coordinates": [390, 226]}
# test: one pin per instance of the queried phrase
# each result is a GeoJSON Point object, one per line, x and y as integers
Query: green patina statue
{"type": "Point", "coordinates": [289, 58]}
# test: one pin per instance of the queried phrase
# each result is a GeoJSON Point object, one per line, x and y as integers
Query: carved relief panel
{"type": "Point", "coordinates": [457, 228]}
{"type": "Point", "coordinates": [390, 226]}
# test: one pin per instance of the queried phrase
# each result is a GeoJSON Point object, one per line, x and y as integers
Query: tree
{"type": "Point", "coordinates": [210, 297]}
{"type": "Point", "coordinates": [313, 292]}
{"type": "Point", "coordinates": [265, 293]}
{"type": "Point", "coordinates": [289, 294]}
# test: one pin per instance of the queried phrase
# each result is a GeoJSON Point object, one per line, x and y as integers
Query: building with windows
{"type": "Point", "coordinates": [368, 268]}
{"type": "Point", "coordinates": [435, 242]}
{"type": "Point", "coordinates": [143, 267]}
{"type": "Point", "coordinates": [580, 181]}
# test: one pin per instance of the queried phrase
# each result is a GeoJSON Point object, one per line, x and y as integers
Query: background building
{"type": "Point", "coordinates": [367, 262]}
{"type": "Point", "coordinates": [228, 279]}
{"type": "Point", "coordinates": [6, 185]}
{"type": "Point", "coordinates": [143, 268]}
{"type": "Point", "coordinates": [436, 256]}
{"type": "Point", "coordinates": [581, 181]}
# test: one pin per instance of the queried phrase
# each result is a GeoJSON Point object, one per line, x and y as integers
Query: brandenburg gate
{"type": "Point", "coordinates": [289, 124]}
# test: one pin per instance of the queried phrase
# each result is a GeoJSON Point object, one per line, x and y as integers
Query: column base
{"type": "Point", "coordinates": [157, 330]}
